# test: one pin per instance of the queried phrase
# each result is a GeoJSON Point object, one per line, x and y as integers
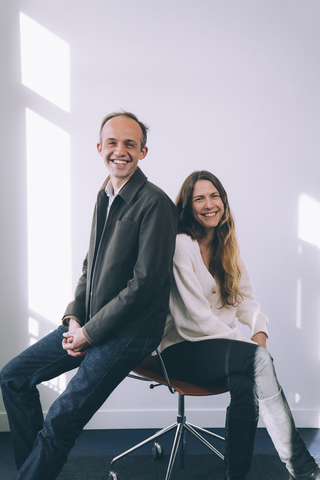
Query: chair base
{"type": "Point", "coordinates": [181, 426]}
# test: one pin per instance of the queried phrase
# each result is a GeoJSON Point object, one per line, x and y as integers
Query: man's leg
{"type": "Point", "coordinates": [42, 361]}
{"type": "Point", "coordinates": [102, 369]}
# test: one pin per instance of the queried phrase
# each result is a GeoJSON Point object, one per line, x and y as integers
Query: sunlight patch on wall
{"type": "Point", "coordinates": [49, 217]}
{"type": "Point", "coordinates": [309, 220]}
{"type": "Point", "coordinates": [33, 330]}
{"type": "Point", "coordinates": [45, 63]}
{"type": "Point", "coordinates": [57, 384]}
{"type": "Point", "coordinates": [299, 304]}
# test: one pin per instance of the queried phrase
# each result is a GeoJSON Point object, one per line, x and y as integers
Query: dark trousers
{"type": "Point", "coordinates": [246, 369]}
{"type": "Point", "coordinates": [41, 447]}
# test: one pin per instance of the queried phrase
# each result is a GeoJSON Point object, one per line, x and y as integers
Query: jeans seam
{"type": "Point", "coordinates": [40, 369]}
{"type": "Point", "coordinates": [102, 378]}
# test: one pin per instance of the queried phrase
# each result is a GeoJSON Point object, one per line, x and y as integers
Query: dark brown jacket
{"type": "Point", "coordinates": [125, 283]}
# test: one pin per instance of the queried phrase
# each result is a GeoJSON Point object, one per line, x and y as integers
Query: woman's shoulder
{"type": "Point", "coordinates": [185, 247]}
{"type": "Point", "coordinates": [184, 242]}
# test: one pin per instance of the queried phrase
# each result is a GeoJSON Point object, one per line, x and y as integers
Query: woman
{"type": "Point", "coordinates": [201, 343]}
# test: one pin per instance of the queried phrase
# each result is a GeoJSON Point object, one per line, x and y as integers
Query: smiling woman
{"type": "Point", "coordinates": [212, 289]}
{"type": "Point", "coordinates": [203, 194]}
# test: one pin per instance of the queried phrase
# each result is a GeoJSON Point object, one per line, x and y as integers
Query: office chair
{"type": "Point", "coordinates": [153, 369]}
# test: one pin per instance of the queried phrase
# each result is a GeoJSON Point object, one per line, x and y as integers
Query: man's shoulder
{"type": "Point", "coordinates": [153, 189]}
{"type": "Point", "coordinates": [140, 195]}
{"type": "Point", "coordinates": [151, 192]}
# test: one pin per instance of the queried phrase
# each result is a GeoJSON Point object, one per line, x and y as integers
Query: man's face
{"type": "Point", "coordinates": [120, 148]}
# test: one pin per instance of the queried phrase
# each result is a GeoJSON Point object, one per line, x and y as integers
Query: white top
{"type": "Point", "coordinates": [112, 194]}
{"type": "Point", "coordinates": [195, 299]}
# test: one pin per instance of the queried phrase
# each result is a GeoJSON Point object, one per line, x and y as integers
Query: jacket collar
{"type": "Point", "coordinates": [131, 187]}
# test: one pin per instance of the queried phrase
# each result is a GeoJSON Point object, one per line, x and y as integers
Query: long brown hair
{"type": "Point", "coordinates": [225, 261]}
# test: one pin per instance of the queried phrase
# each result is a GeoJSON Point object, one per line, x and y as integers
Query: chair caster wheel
{"type": "Point", "coordinates": [157, 451]}
{"type": "Point", "coordinates": [112, 476]}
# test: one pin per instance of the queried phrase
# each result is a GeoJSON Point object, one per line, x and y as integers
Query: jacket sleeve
{"type": "Point", "coordinates": [248, 311]}
{"type": "Point", "coordinates": [77, 306]}
{"type": "Point", "coordinates": [190, 309]}
{"type": "Point", "coordinates": [152, 269]}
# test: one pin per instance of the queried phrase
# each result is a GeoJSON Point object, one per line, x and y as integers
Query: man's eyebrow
{"type": "Point", "coordinates": [126, 140]}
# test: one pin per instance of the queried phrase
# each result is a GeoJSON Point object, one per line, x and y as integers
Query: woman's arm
{"type": "Point", "coordinates": [261, 339]}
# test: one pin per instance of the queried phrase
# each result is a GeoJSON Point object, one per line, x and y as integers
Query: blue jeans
{"type": "Point", "coordinates": [41, 447]}
{"type": "Point", "coordinates": [245, 369]}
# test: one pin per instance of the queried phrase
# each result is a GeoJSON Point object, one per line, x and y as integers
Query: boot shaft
{"type": "Point", "coordinates": [240, 436]}
{"type": "Point", "coordinates": [292, 450]}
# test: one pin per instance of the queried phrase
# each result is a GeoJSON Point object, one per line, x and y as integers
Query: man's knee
{"type": "Point", "coordinates": [10, 372]}
{"type": "Point", "coordinates": [6, 374]}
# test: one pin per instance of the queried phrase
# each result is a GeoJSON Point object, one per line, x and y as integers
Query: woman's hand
{"type": "Point", "coordinates": [261, 339]}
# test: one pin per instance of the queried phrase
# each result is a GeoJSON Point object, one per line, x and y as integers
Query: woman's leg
{"type": "Point", "coordinates": [240, 427]}
{"type": "Point", "coordinates": [193, 363]}
{"type": "Point", "coordinates": [279, 421]}
{"type": "Point", "coordinates": [213, 360]}
{"type": "Point", "coordinates": [292, 450]}
{"type": "Point", "coordinates": [216, 360]}
{"type": "Point", "coordinates": [220, 361]}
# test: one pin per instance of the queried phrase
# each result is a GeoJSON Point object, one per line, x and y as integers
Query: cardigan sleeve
{"type": "Point", "coordinates": [190, 309]}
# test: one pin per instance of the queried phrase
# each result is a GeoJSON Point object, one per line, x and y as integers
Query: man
{"type": "Point", "coordinates": [117, 316]}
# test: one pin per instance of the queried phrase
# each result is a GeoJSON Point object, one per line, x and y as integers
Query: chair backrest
{"type": "Point", "coordinates": [151, 369]}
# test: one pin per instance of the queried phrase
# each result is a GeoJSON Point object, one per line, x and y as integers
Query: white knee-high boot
{"type": "Point", "coordinates": [292, 450]}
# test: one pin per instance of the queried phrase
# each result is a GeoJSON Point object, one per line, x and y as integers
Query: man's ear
{"type": "Point", "coordinates": [143, 153]}
{"type": "Point", "coordinates": [99, 148]}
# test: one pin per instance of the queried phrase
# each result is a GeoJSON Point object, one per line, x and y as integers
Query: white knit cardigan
{"type": "Point", "coordinates": [195, 299]}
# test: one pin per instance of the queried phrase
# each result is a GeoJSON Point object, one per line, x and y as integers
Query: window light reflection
{"type": "Point", "coordinates": [45, 63]}
{"type": "Point", "coordinates": [33, 327]}
{"type": "Point", "coordinates": [57, 384]}
{"type": "Point", "coordinates": [49, 217]}
{"type": "Point", "coordinates": [299, 304]}
{"type": "Point", "coordinates": [309, 220]}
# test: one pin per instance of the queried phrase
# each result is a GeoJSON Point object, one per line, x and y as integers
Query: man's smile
{"type": "Point", "coordinates": [120, 162]}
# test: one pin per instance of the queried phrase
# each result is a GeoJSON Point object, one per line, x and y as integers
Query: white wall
{"type": "Point", "coordinates": [228, 86]}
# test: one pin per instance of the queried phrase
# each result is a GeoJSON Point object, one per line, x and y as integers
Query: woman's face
{"type": "Point", "coordinates": [207, 206]}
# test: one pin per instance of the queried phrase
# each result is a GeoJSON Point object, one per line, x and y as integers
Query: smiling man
{"type": "Point", "coordinates": [121, 145]}
{"type": "Point", "coordinates": [116, 318]}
